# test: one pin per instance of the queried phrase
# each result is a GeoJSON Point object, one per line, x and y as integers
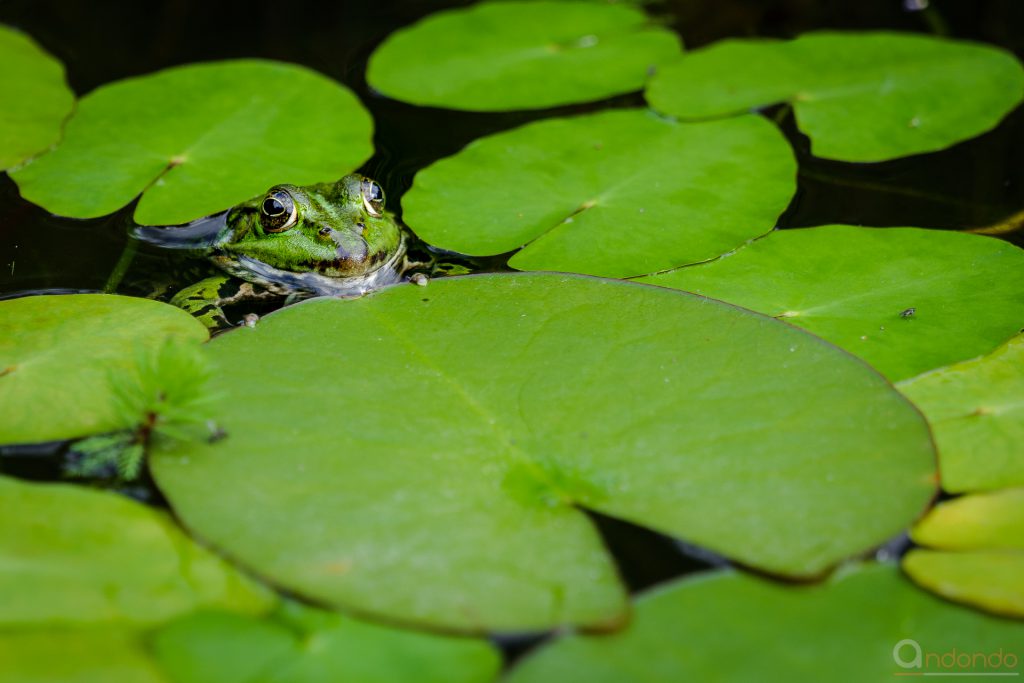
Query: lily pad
{"type": "Point", "coordinates": [36, 98]}
{"type": "Point", "coordinates": [617, 193]}
{"type": "Point", "coordinates": [73, 556]}
{"type": "Point", "coordinates": [424, 454]}
{"type": "Point", "coordinates": [858, 96]}
{"type": "Point", "coordinates": [310, 646]}
{"type": "Point", "coordinates": [496, 56]}
{"type": "Point", "coordinates": [58, 354]}
{"type": "Point", "coordinates": [980, 551]}
{"type": "Point", "coordinates": [993, 520]}
{"type": "Point", "coordinates": [906, 300]}
{"type": "Point", "coordinates": [197, 139]}
{"type": "Point", "coordinates": [976, 412]}
{"type": "Point", "coordinates": [94, 655]}
{"type": "Point", "coordinates": [991, 580]}
{"type": "Point", "coordinates": [866, 624]}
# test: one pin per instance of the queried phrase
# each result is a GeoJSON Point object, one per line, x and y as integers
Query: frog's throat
{"type": "Point", "coordinates": [287, 282]}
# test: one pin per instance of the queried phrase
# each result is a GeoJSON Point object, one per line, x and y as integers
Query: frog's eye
{"type": "Point", "coordinates": [373, 198]}
{"type": "Point", "coordinates": [277, 213]}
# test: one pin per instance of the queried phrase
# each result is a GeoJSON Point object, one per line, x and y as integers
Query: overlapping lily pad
{"type": "Point", "coordinates": [73, 556]}
{"type": "Point", "coordinates": [979, 551]}
{"type": "Point", "coordinates": [36, 98]}
{"type": "Point", "coordinates": [496, 56]}
{"type": "Point", "coordinates": [858, 96]}
{"type": "Point", "coordinates": [976, 410]}
{"type": "Point", "coordinates": [311, 646]}
{"type": "Point", "coordinates": [866, 624]}
{"type": "Point", "coordinates": [423, 453]}
{"type": "Point", "coordinates": [59, 353]}
{"type": "Point", "coordinates": [618, 193]}
{"type": "Point", "coordinates": [93, 655]}
{"type": "Point", "coordinates": [196, 139]}
{"type": "Point", "coordinates": [906, 300]}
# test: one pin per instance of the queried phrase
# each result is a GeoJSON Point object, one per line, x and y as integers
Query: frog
{"type": "Point", "coordinates": [292, 242]}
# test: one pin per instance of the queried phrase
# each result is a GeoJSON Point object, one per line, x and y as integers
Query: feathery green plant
{"type": "Point", "coordinates": [165, 394]}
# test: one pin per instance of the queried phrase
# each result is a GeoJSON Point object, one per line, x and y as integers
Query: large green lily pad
{"type": "Point", "coordinates": [59, 353]}
{"type": "Point", "coordinates": [36, 98]}
{"type": "Point", "coordinates": [423, 453]}
{"type": "Point", "coordinates": [197, 139]}
{"type": "Point", "coordinates": [858, 96]}
{"type": "Point", "coordinates": [311, 646]}
{"type": "Point", "coordinates": [495, 56]}
{"type": "Point", "coordinates": [976, 410]}
{"type": "Point", "coordinates": [906, 300]}
{"type": "Point", "coordinates": [93, 655]}
{"type": "Point", "coordinates": [71, 555]}
{"type": "Point", "coordinates": [979, 551]}
{"type": "Point", "coordinates": [727, 626]}
{"type": "Point", "coordinates": [618, 193]}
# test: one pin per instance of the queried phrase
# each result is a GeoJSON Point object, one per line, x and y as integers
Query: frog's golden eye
{"type": "Point", "coordinates": [373, 198]}
{"type": "Point", "coordinates": [277, 212]}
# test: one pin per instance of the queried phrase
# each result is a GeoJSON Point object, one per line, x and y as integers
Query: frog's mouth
{"type": "Point", "coordinates": [287, 282]}
{"type": "Point", "coordinates": [202, 233]}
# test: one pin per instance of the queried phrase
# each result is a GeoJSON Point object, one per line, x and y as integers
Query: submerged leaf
{"type": "Point", "coordinates": [36, 99]}
{"type": "Point", "coordinates": [429, 463]}
{"type": "Point", "coordinates": [197, 139]}
{"type": "Point", "coordinates": [495, 56]}
{"type": "Point", "coordinates": [617, 193]}
{"type": "Point", "coordinates": [858, 96]}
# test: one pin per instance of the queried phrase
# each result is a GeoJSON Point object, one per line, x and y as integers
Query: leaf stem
{"type": "Point", "coordinates": [121, 267]}
{"type": "Point", "coordinates": [1007, 225]}
{"type": "Point", "coordinates": [883, 187]}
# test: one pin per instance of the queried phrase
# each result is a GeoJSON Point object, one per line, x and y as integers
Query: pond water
{"type": "Point", "coordinates": [977, 183]}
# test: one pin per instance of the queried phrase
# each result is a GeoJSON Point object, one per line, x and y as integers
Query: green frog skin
{"type": "Point", "coordinates": [327, 239]}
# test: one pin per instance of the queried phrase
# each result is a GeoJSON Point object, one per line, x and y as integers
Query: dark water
{"type": "Point", "coordinates": [973, 184]}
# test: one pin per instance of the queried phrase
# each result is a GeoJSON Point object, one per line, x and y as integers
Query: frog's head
{"type": "Point", "coordinates": [336, 229]}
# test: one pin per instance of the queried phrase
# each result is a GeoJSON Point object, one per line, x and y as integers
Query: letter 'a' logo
{"type": "Point", "coordinates": [900, 650]}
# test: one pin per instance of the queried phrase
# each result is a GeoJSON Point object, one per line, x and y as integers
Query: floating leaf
{"type": "Point", "coordinates": [991, 580]}
{"type": "Point", "coordinates": [58, 355]}
{"type": "Point", "coordinates": [858, 96]}
{"type": "Point", "coordinates": [617, 193]}
{"type": "Point", "coordinates": [198, 139]}
{"type": "Point", "coordinates": [496, 56]}
{"type": "Point", "coordinates": [993, 520]}
{"type": "Point", "coordinates": [96, 655]}
{"type": "Point", "coordinates": [72, 555]}
{"type": "Point", "coordinates": [428, 462]}
{"type": "Point", "coordinates": [727, 626]}
{"type": "Point", "coordinates": [36, 98]}
{"type": "Point", "coordinates": [310, 646]}
{"type": "Point", "coordinates": [977, 417]}
{"type": "Point", "coordinates": [985, 533]}
{"type": "Point", "coordinates": [906, 300]}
